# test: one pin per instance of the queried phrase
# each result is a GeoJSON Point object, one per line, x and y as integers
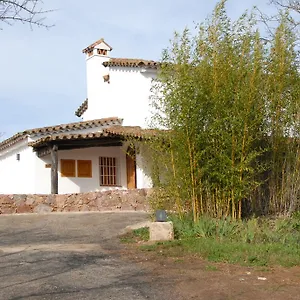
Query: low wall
{"type": "Point", "coordinates": [118, 200]}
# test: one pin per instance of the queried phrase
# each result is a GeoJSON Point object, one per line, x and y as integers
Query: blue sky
{"type": "Point", "coordinates": [43, 77]}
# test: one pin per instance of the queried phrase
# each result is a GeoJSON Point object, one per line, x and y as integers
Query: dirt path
{"type": "Point", "coordinates": [194, 278]}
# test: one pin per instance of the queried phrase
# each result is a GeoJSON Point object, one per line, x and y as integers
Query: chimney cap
{"type": "Point", "coordinates": [92, 46]}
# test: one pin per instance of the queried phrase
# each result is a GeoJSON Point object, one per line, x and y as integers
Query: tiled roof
{"type": "Point", "coordinates": [76, 125]}
{"type": "Point", "coordinates": [92, 46]}
{"type": "Point", "coordinates": [82, 108]}
{"type": "Point", "coordinates": [66, 136]}
{"type": "Point", "coordinates": [131, 63]}
{"type": "Point", "coordinates": [131, 131]}
{"type": "Point", "coordinates": [13, 140]}
{"type": "Point", "coordinates": [59, 129]}
{"type": "Point", "coordinates": [113, 131]}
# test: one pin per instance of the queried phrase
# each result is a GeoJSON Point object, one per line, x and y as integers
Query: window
{"type": "Point", "coordinates": [102, 51]}
{"type": "Point", "coordinates": [84, 168]}
{"type": "Point", "coordinates": [108, 171]}
{"type": "Point", "coordinates": [67, 168]}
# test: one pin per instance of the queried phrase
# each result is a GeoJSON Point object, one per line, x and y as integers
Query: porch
{"type": "Point", "coordinates": [76, 163]}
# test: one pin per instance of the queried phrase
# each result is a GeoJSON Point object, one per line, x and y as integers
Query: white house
{"type": "Point", "coordinates": [93, 154]}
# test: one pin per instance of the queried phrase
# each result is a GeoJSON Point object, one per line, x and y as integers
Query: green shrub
{"type": "Point", "coordinates": [257, 241]}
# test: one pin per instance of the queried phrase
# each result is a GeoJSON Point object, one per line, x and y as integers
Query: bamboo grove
{"type": "Point", "coordinates": [230, 102]}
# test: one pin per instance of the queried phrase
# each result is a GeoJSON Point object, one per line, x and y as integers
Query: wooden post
{"type": "Point", "coordinates": [54, 169]}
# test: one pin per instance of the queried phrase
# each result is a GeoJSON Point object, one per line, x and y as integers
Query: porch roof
{"type": "Point", "coordinates": [113, 134]}
{"type": "Point", "coordinates": [59, 129]}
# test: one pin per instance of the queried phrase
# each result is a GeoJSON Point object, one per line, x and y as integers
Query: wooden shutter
{"type": "Point", "coordinates": [67, 168]}
{"type": "Point", "coordinates": [84, 168]}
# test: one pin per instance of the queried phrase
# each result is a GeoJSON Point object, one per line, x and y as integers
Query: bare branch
{"type": "Point", "coordinates": [287, 4]}
{"type": "Point", "coordinates": [267, 21]}
{"type": "Point", "coordinates": [24, 11]}
{"type": "Point", "coordinates": [292, 7]}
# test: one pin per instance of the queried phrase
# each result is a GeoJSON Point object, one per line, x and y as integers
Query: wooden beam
{"type": "Point", "coordinates": [41, 152]}
{"type": "Point", "coordinates": [44, 150]}
{"type": "Point", "coordinates": [54, 169]}
{"type": "Point", "coordinates": [81, 146]}
{"type": "Point", "coordinates": [88, 143]}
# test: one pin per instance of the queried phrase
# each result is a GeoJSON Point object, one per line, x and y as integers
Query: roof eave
{"type": "Point", "coordinates": [62, 128]}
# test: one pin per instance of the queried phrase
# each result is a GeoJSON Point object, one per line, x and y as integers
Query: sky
{"type": "Point", "coordinates": [42, 71]}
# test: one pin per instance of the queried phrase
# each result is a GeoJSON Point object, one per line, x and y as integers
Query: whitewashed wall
{"type": "Point", "coordinates": [81, 185]}
{"type": "Point", "coordinates": [76, 184]}
{"type": "Point", "coordinates": [95, 86]}
{"type": "Point", "coordinates": [126, 96]}
{"type": "Point", "coordinates": [17, 176]}
{"type": "Point", "coordinates": [143, 168]}
{"type": "Point", "coordinates": [29, 175]}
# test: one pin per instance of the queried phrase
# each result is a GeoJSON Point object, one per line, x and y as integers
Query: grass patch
{"type": "Point", "coordinates": [255, 242]}
{"type": "Point", "coordinates": [137, 235]}
{"type": "Point", "coordinates": [211, 268]}
{"type": "Point", "coordinates": [262, 255]}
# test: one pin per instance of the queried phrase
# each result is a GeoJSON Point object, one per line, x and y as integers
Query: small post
{"type": "Point", "coordinates": [54, 169]}
{"type": "Point", "coordinates": [161, 230]}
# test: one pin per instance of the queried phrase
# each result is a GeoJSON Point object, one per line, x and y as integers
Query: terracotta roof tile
{"type": "Point", "coordinates": [62, 128]}
{"type": "Point", "coordinates": [76, 125]}
{"type": "Point", "coordinates": [113, 131]}
{"type": "Point", "coordinates": [131, 131]}
{"type": "Point", "coordinates": [92, 46]}
{"type": "Point", "coordinates": [13, 140]}
{"type": "Point", "coordinates": [62, 137]}
{"type": "Point", "coordinates": [131, 63]}
{"type": "Point", "coordinates": [82, 108]}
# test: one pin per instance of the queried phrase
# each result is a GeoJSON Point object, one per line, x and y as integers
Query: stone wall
{"type": "Point", "coordinates": [118, 200]}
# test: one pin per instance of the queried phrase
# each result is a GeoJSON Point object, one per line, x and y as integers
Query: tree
{"type": "Point", "coordinates": [232, 105]}
{"type": "Point", "coordinates": [23, 11]}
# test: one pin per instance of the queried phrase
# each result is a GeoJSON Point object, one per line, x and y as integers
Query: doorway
{"type": "Point", "coordinates": [131, 168]}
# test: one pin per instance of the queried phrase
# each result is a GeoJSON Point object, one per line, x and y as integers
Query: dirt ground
{"type": "Point", "coordinates": [79, 256]}
{"type": "Point", "coordinates": [67, 256]}
{"type": "Point", "coordinates": [191, 277]}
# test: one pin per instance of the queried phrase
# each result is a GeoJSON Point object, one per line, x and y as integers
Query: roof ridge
{"type": "Point", "coordinates": [72, 124]}
{"type": "Point", "coordinates": [82, 108]}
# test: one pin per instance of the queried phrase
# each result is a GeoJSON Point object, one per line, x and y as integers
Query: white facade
{"type": "Point", "coordinates": [124, 93]}
{"type": "Point", "coordinates": [17, 169]}
{"type": "Point", "coordinates": [81, 185]}
{"type": "Point", "coordinates": [29, 174]}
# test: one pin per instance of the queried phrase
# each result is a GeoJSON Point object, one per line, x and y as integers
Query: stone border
{"type": "Point", "coordinates": [116, 200]}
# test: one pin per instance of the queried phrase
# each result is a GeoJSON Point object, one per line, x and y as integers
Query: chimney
{"type": "Point", "coordinates": [99, 48]}
{"type": "Point", "coordinates": [98, 78]}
